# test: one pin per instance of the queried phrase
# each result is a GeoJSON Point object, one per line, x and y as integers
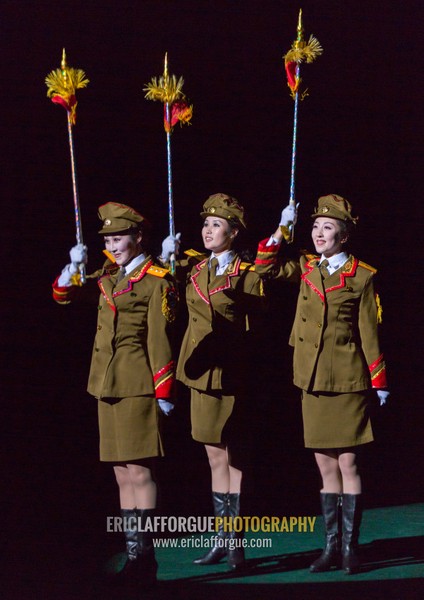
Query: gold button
{"type": "Point", "coordinates": [316, 345]}
{"type": "Point", "coordinates": [99, 327]}
{"type": "Point", "coordinates": [319, 324]}
{"type": "Point", "coordinates": [193, 341]}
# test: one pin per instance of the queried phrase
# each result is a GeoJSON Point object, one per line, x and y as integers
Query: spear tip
{"type": "Point", "coordinates": [300, 26]}
{"type": "Point", "coordinates": [165, 69]}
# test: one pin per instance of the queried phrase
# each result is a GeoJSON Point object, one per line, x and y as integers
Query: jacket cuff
{"type": "Point", "coordinates": [378, 373]}
{"type": "Point", "coordinates": [164, 381]}
{"type": "Point", "coordinates": [267, 255]}
{"type": "Point", "coordinates": [62, 294]}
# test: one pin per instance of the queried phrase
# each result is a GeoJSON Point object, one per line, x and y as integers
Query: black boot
{"type": "Point", "coordinates": [146, 561]}
{"type": "Point", "coordinates": [330, 556]}
{"type": "Point", "coordinates": [118, 567]}
{"type": "Point", "coordinates": [219, 549]}
{"type": "Point", "coordinates": [351, 520]}
{"type": "Point", "coordinates": [235, 552]}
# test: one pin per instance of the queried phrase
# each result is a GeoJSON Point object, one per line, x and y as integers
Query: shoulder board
{"type": "Point", "coordinates": [110, 264]}
{"type": "Point", "coordinates": [109, 256]}
{"type": "Point", "coordinates": [365, 266]}
{"type": "Point", "coordinates": [195, 254]}
{"type": "Point", "coordinates": [157, 271]}
{"type": "Point", "coordinates": [308, 255]}
{"type": "Point", "coordinates": [245, 266]}
{"type": "Point", "coordinates": [153, 270]}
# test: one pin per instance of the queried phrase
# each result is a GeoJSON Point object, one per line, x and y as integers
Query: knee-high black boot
{"type": "Point", "coordinates": [219, 549]}
{"type": "Point", "coordinates": [146, 561]}
{"type": "Point", "coordinates": [235, 552]}
{"type": "Point", "coordinates": [120, 564]}
{"type": "Point", "coordinates": [351, 521]}
{"type": "Point", "coordinates": [330, 556]}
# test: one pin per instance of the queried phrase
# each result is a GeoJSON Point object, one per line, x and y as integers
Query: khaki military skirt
{"type": "Point", "coordinates": [336, 420]}
{"type": "Point", "coordinates": [129, 429]}
{"type": "Point", "coordinates": [209, 416]}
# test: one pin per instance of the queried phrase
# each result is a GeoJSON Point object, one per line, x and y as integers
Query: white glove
{"type": "Point", "coordinates": [170, 245]}
{"type": "Point", "coordinates": [79, 257]}
{"type": "Point", "coordinates": [165, 406]}
{"type": "Point", "coordinates": [66, 276]}
{"type": "Point", "coordinates": [289, 215]}
{"type": "Point", "coordinates": [78, 254]}
{"type": "Point", "coordinates": [383, 396]}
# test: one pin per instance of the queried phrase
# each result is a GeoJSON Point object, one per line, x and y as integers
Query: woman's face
{"type": "Point", "coordinates": [123, 247]}
{"type": "Point", "coordinates": [217, 234]}
{"type": "Point", "coordinates": [327, 236]}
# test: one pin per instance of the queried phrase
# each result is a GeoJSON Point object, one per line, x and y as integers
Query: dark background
{"type": "Point", "coordinates": [359, 136]}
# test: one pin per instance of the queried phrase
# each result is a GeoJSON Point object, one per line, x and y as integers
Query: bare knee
{"type": "Point", "coordinates": [140, 476]}
{"type": "Point", "coordinates": [122, 476]}
{"type": "Point", "coordinates": [217, 457]}
{"type": "Point", "coordinates": [348, 466]}
{"type": "Point", "coordinates": [328, 465]}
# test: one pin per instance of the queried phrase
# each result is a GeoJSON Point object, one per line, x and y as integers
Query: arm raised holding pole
{"type": "Point", "coordinates": [298, 53]}
{"type": "Point", "coordinates": [61, 88]}
{"type": "Point", "coordinates": [168, 90]}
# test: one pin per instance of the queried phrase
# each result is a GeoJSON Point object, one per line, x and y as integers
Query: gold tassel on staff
{"type": "Point", "coordinates": [169, 90]}
{"type": "Point", "coordinates": [61, 88]}
{"type": "Point", "coordinates": [299, 52]}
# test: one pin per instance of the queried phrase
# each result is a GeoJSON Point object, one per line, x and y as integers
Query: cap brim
{"type": "Point", "coordinates": [215, 214]}
{"type": "Point", "coordinates": [127, 231]}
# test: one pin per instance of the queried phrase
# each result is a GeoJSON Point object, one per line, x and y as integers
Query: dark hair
{"type": "Point", "coordinates": [234, 223]}
{"type": "Point", "coordinates": [346, 228]}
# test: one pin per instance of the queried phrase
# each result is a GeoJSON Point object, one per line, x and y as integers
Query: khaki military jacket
{"type": "Point", "coordinates": [132, 353]}
{"type": "Point", "coordinates": [335, 330]}
{"type": "Point", "coordinates": [218, 321]}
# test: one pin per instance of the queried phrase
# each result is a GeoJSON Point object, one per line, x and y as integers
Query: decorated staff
{"type": "Point", "coordinates": [61, 87]}
{"type": "Point", "coordinates": [299, 52]}
{"type": "Point", "coordinates": [168, 89]}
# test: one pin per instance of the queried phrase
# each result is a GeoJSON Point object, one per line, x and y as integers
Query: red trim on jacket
{"type": "Point", "coordinates": [266, 255]}
{"type": "Point", "coordinates": [194, 277]}
{"type": "Point", "coordinates": [129, 287]}
{"type": "Point", "coordinates": [164, 381]}
{"type": "Point", "coordinates": [304, 277]}
{"type": "Point", "coordinates": [345, 274]}
{"type": "Point", "coordinates": [378, 373]}
{"type": "Point", "coordinates": [62, 294]}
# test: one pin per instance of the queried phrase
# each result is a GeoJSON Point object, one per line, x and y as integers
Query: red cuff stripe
{"type": "Point", "coordinates": [378, 373]}
{"type": "Point", "coordinates": [164, 381]}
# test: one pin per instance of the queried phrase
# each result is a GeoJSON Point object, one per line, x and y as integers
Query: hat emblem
{"type": "Point", "coordinates": [212, 210]}
{"type": "Point", "coordinates": [107, 222]}
{"type": "Point", "coordinates": [325, 209]}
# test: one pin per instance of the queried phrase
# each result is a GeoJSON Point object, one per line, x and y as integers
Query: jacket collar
{"type": "Point", "coordinates": [312, 276]}
{"type": "Point", "coordinates": [110, 290]}
{"type": "Point", "coordinates": [200, 278]}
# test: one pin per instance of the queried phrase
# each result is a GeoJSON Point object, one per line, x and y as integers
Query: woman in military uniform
{"type": "Point", "coordinates": [132, 368]}
{"type": "Point", "coordinates": [337, 361]}
{"type": "Point", "coordinates": [222, 292]}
